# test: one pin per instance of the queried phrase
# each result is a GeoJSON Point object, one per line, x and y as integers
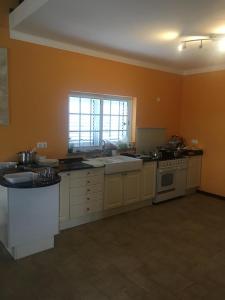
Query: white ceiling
{"type": "Point", "coordinates": [134, 29]}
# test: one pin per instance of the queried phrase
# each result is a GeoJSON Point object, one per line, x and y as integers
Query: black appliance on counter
{"type": "Point", "coordinates": [73, 163]}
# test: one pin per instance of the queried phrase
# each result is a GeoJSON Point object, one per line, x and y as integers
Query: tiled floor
{"type": "Point", "coordinates": [175, 250]}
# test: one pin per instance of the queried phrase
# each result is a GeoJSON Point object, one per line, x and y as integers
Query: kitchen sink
{"type": "Point", "coordinates": [116, 164]}
{"type": "Point", "coordinates": [20, 177]}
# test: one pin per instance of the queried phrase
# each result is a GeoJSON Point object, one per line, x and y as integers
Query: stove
{"type": "Point", "coordinates": [168, 153]}
{"type": "Point", "coordinates": [171, 179]}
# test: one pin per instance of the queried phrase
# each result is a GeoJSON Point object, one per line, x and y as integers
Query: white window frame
{"type": "Point", "coordinates": [102, 97]}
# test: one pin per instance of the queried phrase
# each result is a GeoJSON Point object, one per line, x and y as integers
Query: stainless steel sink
{"type": "Point", "coordinates": [20, 177]}
{"type": "Point", "coordinates": [117, 164]}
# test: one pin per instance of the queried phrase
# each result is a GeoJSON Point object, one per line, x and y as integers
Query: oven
{"type": "Point", "coordinates": [171, 179]}
{"type": "Point", "coordinates": [166, 180]}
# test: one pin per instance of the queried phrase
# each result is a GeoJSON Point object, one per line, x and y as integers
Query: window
{"type": "Point", "coordinates": [94, 118]}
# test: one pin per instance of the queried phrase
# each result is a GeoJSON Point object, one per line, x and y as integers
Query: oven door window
{"type": "Point", "coordinates": [166, 181]}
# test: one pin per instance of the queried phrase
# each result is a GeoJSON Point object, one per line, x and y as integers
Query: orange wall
{"type": "Point", "coordinates": [203, 117]}
{"type": "Point", "coordinates": [40, 79]}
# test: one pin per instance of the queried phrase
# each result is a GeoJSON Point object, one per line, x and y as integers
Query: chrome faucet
{"type": "Point", "coordinates": [103, 145]}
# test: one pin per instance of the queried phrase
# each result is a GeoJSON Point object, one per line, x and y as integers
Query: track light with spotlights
{"type": "Point", "coordinates": [200, 42]}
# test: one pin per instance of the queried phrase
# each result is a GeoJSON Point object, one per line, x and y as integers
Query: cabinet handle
{"type": "Point", "coordinates": [88, 198]}
{"type": "Point", "coordinates": [88, 181]}
{"type": "Point", "coordinates": [88, 208]}
{"type": "Point", "coordinates": [88, 190]}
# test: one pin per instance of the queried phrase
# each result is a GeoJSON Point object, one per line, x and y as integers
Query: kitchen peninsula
{"type": "Point", "coordinates": [29, 215]}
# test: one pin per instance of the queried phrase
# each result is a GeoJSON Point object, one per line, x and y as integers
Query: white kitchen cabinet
{"type": "Point", "coordinates": [81, 194]}
{"type": "Point", "coordinates": [148, 180]}
{"type": "Point", "coordinates": [113, 196]}
{"type": "Point", "coordinates": [132, 182]}
{"type": "Point", "coordinates": [194, 171]}
{"type": "Point", "coordinates": [64, 196]}
{"type": "Point", "coordinates": [122, 189]}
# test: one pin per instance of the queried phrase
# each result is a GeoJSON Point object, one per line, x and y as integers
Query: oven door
{"type": "Point", "coordinates": [166, 180]}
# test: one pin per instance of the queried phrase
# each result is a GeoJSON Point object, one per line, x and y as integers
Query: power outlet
{"type": "Point", "coordinates": [42, 145]}
{"type": "Point", "coordinates": [194, 141]}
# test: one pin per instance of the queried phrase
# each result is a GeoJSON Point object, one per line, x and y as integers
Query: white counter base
{"type": "Point", "coordinates": [32, 247]}
{"type": "Point", "coordinates": [29, 219]}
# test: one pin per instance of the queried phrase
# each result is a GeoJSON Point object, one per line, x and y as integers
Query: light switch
{"type": "Point", "coordinates": [42, 145]}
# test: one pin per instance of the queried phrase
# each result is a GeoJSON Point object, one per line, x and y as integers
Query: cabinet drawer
{"type": "Point", "coordinates": [76, 192]}
{"type": "Point", "coordinates": [78, 210]}
{"type": "Point", "coordinates": [94, 179]}
{"type": "Point", "coordinates": [94, 197]}
{"type": "Point", "coordinates": [78, 182]}
{"type": "Point", "coordinates": [94, 188]}
{"type": "Point", "coordinates": [85, 208]}
{"type": "Point", "coordinates": [85, 173]}
{"type": "Point", "coordinates": [95, 172]}
{"type": "Point", "coordinates": [81, 195]}
{"type": "Point", "coordinates": [74, 175]}
{"type": "Point", "coordinates": [83, 190]}
{"type": "Point", "coordinates": [77, 199]}
{"type": "Point", "coordinates": [85, 181]}
{"type": "Point", "coordinates": [94, 206]}
{"type": "Point", "coordinates": [193, 161]}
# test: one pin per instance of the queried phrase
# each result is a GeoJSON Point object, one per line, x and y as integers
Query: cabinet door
{"type": "Point", "coordinates": [148, 180]}
{"type": "Point", "coordinates": [113, 196]}
{"type": "Point", "coordinates": [78, 210]}
{"type": "Point", "coordinates": [132, 187]}
{"type": "Point", "coordinates": [64, 196]}
{"type": "Point", "coordinates": [194, 172]}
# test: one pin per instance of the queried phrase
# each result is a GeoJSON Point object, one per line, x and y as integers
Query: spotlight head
{"type": "Point", "coordinates": [201, 44]}
{"type": "Point", "coordinates": [180, 47]}
{"type": "Point", "coordinates": [221, 45]}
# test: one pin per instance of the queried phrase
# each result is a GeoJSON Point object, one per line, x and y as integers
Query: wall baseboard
{"type": "Point", "coordinates": [211, 195]}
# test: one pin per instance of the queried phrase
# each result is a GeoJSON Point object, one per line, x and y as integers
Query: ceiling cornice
{"type": "Point", "coordinates": [100, 54]}
{"type": "Point", "coordinates": [204, 70]}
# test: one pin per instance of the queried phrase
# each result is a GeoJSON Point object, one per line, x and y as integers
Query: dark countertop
{"type": "Point", "coordinates": [147, 158]}
{"type": "Point", "coordinates": [41, 182]}
{"type": "Point", "coordinates": [64, 167]}
{"type": "Point", "coordinates": [30, 184]}
{"type": "Point", "coordinates": [72, 167]}
{"type": "Point", "coordinates": [38, 183]}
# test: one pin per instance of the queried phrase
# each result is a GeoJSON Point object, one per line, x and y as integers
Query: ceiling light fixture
{"type": "Point", "coordinates": [221, 45]}
{"type": "Point", "coordinates": [169, 35]}
{"type": "Point", "coordinates": [201, 40]}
